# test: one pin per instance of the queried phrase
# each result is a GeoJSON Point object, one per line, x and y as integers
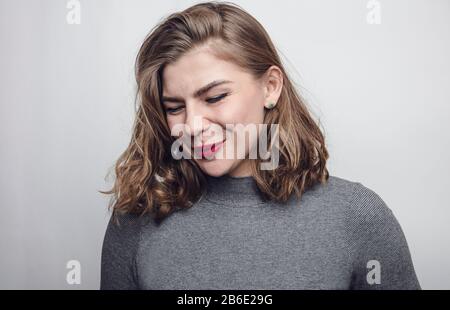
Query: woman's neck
{"type": "Point", "coordinates": [231, 190]}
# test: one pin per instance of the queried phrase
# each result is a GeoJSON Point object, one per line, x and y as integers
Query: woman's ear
{"type": "Point", "coordinates": [273, 84]}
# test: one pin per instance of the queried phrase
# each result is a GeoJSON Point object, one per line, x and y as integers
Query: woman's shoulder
{"type": "Point", "coordinates": [122, 230]}
{"type": "Point", "coordinates": [362, 203]}
{"type": "Point", "coordinates": [374, 235]}
{"type": "Point", "coordinates": [128, 224]}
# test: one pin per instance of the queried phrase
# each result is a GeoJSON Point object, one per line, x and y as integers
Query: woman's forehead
{"type": "Point", "coordinates": [193, 71]}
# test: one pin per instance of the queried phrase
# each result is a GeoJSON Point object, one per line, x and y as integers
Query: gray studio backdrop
{"type": "Point", "coordinates": [377, 73]}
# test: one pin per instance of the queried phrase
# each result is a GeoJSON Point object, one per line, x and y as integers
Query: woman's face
{"type": "Point", "coordinates": [234, 97]}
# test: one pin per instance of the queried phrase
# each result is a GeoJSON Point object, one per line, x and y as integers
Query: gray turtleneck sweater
{"type": "Point", "coordinates": [340, 235]}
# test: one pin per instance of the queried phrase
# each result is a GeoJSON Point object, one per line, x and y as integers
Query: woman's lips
{"type": "Point", "coordinates": [208, 150]}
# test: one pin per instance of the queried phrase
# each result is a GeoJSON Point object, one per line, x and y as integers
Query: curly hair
{"type": "Point", "coordinates": [147, 178]}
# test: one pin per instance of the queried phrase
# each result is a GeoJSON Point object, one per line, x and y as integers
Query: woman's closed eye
{"type": "Point", "coordinates": [173, 110]}
{"type": "Point", "coordinates": [217, 98]}
{"type": "Point", "coordinates": [209, 100]}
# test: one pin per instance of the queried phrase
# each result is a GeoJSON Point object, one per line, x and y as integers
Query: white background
{"type": "Point", "coordinates": [381, 91]}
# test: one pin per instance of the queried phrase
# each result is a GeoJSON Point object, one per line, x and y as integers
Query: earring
{"type": "Point", "coordinates": [270, 105]}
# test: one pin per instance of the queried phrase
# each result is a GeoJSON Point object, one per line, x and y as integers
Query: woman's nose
{"type": "Point", "coordinates": [195, 123]}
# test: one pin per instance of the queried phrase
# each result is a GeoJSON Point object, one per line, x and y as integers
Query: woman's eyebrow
{"type": "Point", "coordinates": [199, 92]}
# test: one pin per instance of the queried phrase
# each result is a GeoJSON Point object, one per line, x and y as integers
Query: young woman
{"type": "Point", "coordinates": [228, 222]}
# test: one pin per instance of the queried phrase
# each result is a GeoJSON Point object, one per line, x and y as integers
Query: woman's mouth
{"type": "Point", "coordinates": [208, 150]}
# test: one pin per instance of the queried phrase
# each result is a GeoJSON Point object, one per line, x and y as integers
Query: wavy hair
{"type": "Point", "coordinates": [147, 178]}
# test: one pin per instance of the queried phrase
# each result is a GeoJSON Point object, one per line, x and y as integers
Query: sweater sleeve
{"type": "Point", "coordinates": [119, 249]}
{"type": "Point", "coordinates": [382, 260]}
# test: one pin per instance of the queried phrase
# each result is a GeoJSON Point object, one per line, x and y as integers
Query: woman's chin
{"type": "Point", "coordinates": [216, 167]}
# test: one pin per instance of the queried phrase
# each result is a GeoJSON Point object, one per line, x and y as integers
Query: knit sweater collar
{"type": "Point", "coordinates": [233, 191]}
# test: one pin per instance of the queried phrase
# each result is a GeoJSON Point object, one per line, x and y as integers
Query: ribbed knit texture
{"type": "Point", "coordinates": [233, 239]}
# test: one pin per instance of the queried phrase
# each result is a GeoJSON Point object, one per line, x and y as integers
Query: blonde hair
{"type": "Point", "coordinates": [148, 179]}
